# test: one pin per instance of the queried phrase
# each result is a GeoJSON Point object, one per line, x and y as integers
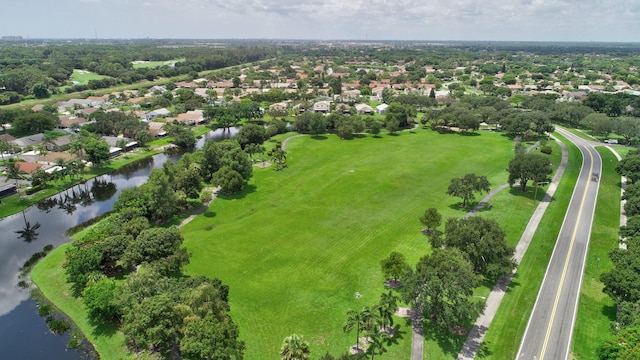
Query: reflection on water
{"type": "Point", "coordinates": [23, 234]}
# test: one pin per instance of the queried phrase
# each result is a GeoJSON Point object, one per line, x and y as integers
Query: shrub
{"type": "Point", "coordinates": [545, 149]}
{"type": "Point", "coordinates": [45, 309]}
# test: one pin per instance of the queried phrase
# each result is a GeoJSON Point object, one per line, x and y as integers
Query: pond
{"type": "Point", "coordinates": [23, 333]}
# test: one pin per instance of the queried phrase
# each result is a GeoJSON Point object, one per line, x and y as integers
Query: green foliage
{"type": "Point", "coordinates": [83, 262]}
{"type": "Point", "coordinates": [467, 186]}
{"type": "Point", "coordinates": [294, 347]}
{"type": "Point", "coordinates": [394, 266]}
{"type": "Point", "coordinates": [151, 323]}
{"type": "Point", "coordinates": [431, 219]}
{"type": "Point", "coordinates": [210, 338]}
{"type": "Point", "coordinates": [99, 299]}
{"type": "Point", "coordinates": [442, 285]}
{"type": "Point", "coordinates": [624, 346]}
{"type": "Point", "coordinates": [251, 134]}
{"type": "Point", "coordinates": [483, 241]}
{"type": "Point", "coordinates": [545, 149]}
{"type": "Point", "coordinates": [525, 167]}
{"type": "Point", "coordinates": [152, 244]}
{"type": "Point", "coordinates": [228, 179]}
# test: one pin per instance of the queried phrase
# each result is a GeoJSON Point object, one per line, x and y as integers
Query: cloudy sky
{"type": "Point", "coordinates": [524, 20]}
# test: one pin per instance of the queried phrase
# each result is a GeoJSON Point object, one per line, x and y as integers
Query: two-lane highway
{"type": "Point", "coordinates": [550, 328]}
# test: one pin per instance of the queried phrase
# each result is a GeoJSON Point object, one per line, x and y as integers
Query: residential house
{"type": "Point", "coordinates": [86, 112]}
{"type": "Point", "coordinates": [350, 95]}
{"type": "Point", "coordinates": [7, 137]}
{"type": "Point", "coordinates": [31, 140]}
{"type": "Point", "coordinates": [190, 118]}
{"type": "Point", "coordinates": [51, 158]}
{"type": "Point", "coordinates": [159, 113]}
{"type": "Point", "coordinates": [28, 167]}
{"type": "Point", "coordinates": [382, 108]}
{"type": "Point", "coordinates": [343, 109]}
{"type": "Point", "coordinates": [68, 122]}
{"type": "Point", "coordinates": [281, 106]}
{"type": "Point", "coordinates": [157, 89]}
{"type": "Point", "coordinates": [155, 130]}
{"type": "Point", "coordinates": [364, 109]}
{"type": "Point", "coordinates": [323, 106]}
{"type": "Point", "coordinates": [59, 143]}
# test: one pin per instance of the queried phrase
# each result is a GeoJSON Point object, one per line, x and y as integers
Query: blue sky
{"type": "Point", "coordinates": [512, 20]}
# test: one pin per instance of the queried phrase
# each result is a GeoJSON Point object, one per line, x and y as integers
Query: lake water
{"type": "Point", "coordinates": [23, 333]}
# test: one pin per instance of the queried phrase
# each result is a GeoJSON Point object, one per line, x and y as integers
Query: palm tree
{"type": "Point", "coordinates": [378, 338]}
{"type": "Point", "coordinates": [14, 172]}
{"type": "Point", "coordinates": [354, 320]}
{"type": "Point", "coordinates": [387, 306]}
{"type": "Point", "coordinates": [368, 317]}
{"type": "Point", "coordinates": [294, 347]}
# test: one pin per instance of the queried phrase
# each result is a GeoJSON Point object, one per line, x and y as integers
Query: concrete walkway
{"type": "Point", "coordinates": [203, 208]}
{"type": "Point", "coordinates": [476, 335]}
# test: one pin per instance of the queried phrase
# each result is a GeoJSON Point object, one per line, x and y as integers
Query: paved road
{"type": "Point", "coordinates": [550, 328]}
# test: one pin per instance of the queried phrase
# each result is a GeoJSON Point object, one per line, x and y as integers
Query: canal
{"type": "Point", "coordinates": [23, 333]}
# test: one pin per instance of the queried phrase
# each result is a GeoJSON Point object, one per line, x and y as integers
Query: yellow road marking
{"type": "Point", "coordinates": [566, 262]}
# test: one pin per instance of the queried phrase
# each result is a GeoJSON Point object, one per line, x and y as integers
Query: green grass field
{"type": "Point", "coordinates": [83, 76]}
{"type": "Point", "coordinates": [596, 310]}
{"type": "Point", "coordinates": [154, 64]}
{"type": "Point", "coordinates": [297, 245]}
{"type": "Point", "coordinates": [503, 337]}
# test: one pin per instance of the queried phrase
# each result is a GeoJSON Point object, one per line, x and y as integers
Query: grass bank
{"type": "Point", "coordinates": [297, 245]}
{"type": "Point", "coordinates": [51, 278]}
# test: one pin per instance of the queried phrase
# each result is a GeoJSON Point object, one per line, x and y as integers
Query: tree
{"type": "Point", "coordinates": [624, 346]}
{"type": "Point", "coordinates": [628, 127]}
{"type": "Point", "coordinates": [99, 300]}
{"type": "Point", "coordinates": [40, 90]}
{"type": "Point", "coordinates": [153, 244]}
{"type": "Point", "coordinates": [466, 186]}
{"type": "Point", "coordinates": [161, 199]}
{"type": "Point", "coordinates": [278, 157]}
{"type": "Point", "coordinates": [629, 167]}
{"type": "Point", "coordinates": [151, 323]}
{"type": "Point", "coordinates": [294, 347]}
{"type": "Point", "coordinates": [228, 179]}
{"type": "Point", "coordinates": [386, 308]}
{"type": "Point", "coordinates": [83, 261]}
{"type": "Point", "coordinates": [210, 338]}
{"type": "Point", "coordinates": [431, 219]}
{"type": "Point", "coordinates": [525, 167]}
{"type": "Point", "coordinates": [96, 150]}
{"type": "Point", "coordinates": [251, 134]}
{"type": "Point", "coordinates": [442, 286]}
{"type": "Point", "coordinates": [13, 172]}
{"type": "Point", "coordinates": [378, 339]}
{"type": "Point", "coordinates": [355, 320]}
{"type": "Point", "coordinates": [394, 266]}
{"type": "Point", "coordinates": [622, 283]}
{"type": "Point", "coordinates": [484, 243]}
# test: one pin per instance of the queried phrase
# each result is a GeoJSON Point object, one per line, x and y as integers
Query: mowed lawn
{"type": "Point", "coordinates": [298, 244]}
{"type": "Point", "coordinates": [82, 77]}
